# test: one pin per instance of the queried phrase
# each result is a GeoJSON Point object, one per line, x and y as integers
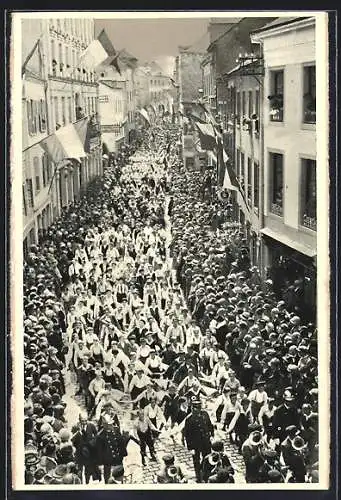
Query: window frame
{"type": "Point", "coordinates": [305, 121]}
{"type": "Point", "coordinates": [256, 184]}
{"type": "Point", "coordinates": [277, 103]}
{"type": "Point", "coordinates": [272, 205]}
{"type": "Point", "coordinates": [311, 222]}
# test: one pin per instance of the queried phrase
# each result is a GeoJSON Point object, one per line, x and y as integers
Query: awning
{"type": "Point", "coordinates": [285, 240]}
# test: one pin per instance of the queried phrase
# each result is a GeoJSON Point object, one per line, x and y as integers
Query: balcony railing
{"type": "Point", "coordinates": [276, 209]}
{"type": "Point", "coordinates": [309, 222]}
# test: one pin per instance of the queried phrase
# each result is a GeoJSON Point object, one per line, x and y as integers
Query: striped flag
{"type": "Point", "coordinates": [64, 143]}
{"type": "Point", "coordinates": [100, 51]}
{"type": "Point", "coordinates": [207, 136]}
{"type": "Point", "coordinates": [145, 114]}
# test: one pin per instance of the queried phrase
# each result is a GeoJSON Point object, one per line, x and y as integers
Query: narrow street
{"type": "Point", "coordinates": [135, 473]}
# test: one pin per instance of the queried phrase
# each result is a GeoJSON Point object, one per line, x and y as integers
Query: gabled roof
{"type": "Point", "coordinates": [280, 21]}
{"type": "Point", "coordinates": [116, 85]}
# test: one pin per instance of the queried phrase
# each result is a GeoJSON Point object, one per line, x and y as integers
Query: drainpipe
{"type": "Point", "coordinates": [261, 166]}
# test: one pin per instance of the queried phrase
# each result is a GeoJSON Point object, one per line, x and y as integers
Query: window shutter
{"type": "Point", "coordinates": [29, 117]}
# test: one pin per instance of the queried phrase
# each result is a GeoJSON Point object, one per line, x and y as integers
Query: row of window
{"type": "Point", "coordinates": [43, 172]}
{"type": "Point", "coordinates": [158, 83]}
{"type": "Point", "coordinates": [246, 182]}
{"type": "Point", "coordinates": [308, 96]}
{"type": "Point", "coordinates": [66, 109]}
{"type": "Point", "coordinates": [36, 116]}
{"type": "Point", "coordinates": [308, 185]}
{"type": "Point", "coordinates": [308, 189]}
{"type": "Point", "coordinates": [247, 103]}
{"type": "Point", "coordinates": [66, 63]}
{"type": "Point", "coordinates": [80, 28]}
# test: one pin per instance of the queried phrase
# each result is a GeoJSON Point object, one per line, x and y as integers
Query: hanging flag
{"type": "Point", "coordinates": [64, 143]}
{"type": "Point", "coordinates": [207, 136]}
{"type": "Point", "coordinates": [231, 178]}
{"type": "Point", "coordinates": [100, 51]}
{"type": "Point", "coordinates": [209, 117]}
{"type": "Point", "coordinates": [82, 128]}
{"type": "Point", "coordinates": [145, 115]}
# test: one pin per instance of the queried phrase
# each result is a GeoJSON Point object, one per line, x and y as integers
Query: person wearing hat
{"type": "Point", "coordinates": [110, 446]}
{"type": "Point", "coordinates": [215, 461]}
{"type": "Point", "coordinates": [84, 441]}
{"type": "Point", "coordinates": [138, 384]}
{"type": "Point", "coordinates": [251, 451]}
{"type": "Point", "coordinates": [31, 464]}
{"type": "Point", "coordinates": [285, 415]}
{"type": "Point", "coordinates": [144, 430]}
{"type": "Point", "coordinates": [258, 398]}
{"type": "Point", "coordinates": [117, 475]}
{"type": "Point", "coordinates": [198, 430]}
{"type": "Point", "coordinates": [171, 472]}
{"type": "Point", "coordinates": [224, 475]}
{"type": "Point", "coordinates": [296, 460]}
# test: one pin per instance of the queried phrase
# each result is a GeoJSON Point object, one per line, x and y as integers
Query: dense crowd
{"type": "Point", "coordinates": [144, 295]}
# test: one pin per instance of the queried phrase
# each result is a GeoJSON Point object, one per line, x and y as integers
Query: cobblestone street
{"type": "Point", "coordinates": [134, 472]}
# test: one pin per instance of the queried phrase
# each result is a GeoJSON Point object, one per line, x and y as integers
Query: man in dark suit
{"type": "Point", "coordinates": [84, 441]}
{"type": "Point", "coordinates": [198, 431]}
{"type": "Point", "coordinates": [110, 446]}
{"type": "Point", "coordinates": [285, 415]}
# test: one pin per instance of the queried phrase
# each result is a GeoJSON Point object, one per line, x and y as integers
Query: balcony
{"type": "Point", "coordinates": [309, 222]}
{"type": "Point", "coordinates": [276, 108]}
{"type": "Point", "coordinates": [276, 209]}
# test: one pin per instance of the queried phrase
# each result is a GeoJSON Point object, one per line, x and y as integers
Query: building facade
{"type": "Point", "coordinates": [37, 170]}
{"type": "Point", "coordinates": [72, 94]}
{"type": "Point", "coordinates": [112, 108]}
{"type": "Point", "coordinates": [289, 225]}
{"type": "Point", "coordinates": [57, 91]}
{"type": "Point", "coordinates": [243, 143]}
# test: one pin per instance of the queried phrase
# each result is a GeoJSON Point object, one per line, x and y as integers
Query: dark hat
{"type": "Point", "coordinates": [218, 446]}
{"type": "Point", "coordinates": [117, 471]}
{"type": "Point", "coordinates": [195, 401]}
{"type": "Point", "coordinates": [31, 459]}
{"type": "Point", "coordinates": [254, 427]}
{"type": "Point", "coordinates": [168, 459]}
{"type": "Point", "coordinates": [298, 443]}
{"type": "Point", "coordinates": [291, 430]}
{"type": "Point", "coordinates": [274, 475]}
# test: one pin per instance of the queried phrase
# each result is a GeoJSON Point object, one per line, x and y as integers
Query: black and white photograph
{"type": "Point", "coordinates": [169, 271]}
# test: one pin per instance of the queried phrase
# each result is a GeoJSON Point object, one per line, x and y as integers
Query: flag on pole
{"type": "Point", "coordinates": [100, 51]}
{"type": "Point", "coordinates": [207, 136]}
{"type": "Point", "coordinates": [145, 114]}
{"type": "Point", "coordinates": [64, 143]}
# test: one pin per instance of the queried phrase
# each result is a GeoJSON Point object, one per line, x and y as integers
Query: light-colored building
{"type": "Point", "coordinates": [112, 107]}
{"type": "Point", "coordinates": [37, 170]}
{"type": "Point", "coordinates": [243, 143]}
{"type": "Point", "coordinates": [117, 101]}
{"type": "Point", "coordinates": [289, 226]}
{"type": "Point", "coordinates": [57, 90]}
{"type": "Point", "coordinates": [72, 94]}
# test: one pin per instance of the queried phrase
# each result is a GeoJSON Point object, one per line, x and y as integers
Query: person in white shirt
{"type": "Point", "coordinates": [216, 352]}
{"type": "Point", "coordinates": [220, 373]}
{"type": "Point", "coordinates": [138, 384]}
{"type": "Point", "coordinates": [96, 386]}
{"type": "Point", "coordinates": [231, 380]}
{"type": "Point", "coordinates": [117, 357]}
{"type": "Point", "coordinates": [205, 355]}
{"type": "Point", "coordinates": [230, 414]}
{"type": "Point", "coordinates": [155, 414]}
{"type": "Point", "coordinates": [175, 331]}
{"type": "Point", "coordinates": [258, 397]}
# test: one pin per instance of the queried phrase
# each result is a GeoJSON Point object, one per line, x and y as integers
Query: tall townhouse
{"type": "Point", "coordinates": [37, 170]}
{"type": "Point", "coordinates": [72, 95]}
{"type": "Point", "coordinates": [289, 218]}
